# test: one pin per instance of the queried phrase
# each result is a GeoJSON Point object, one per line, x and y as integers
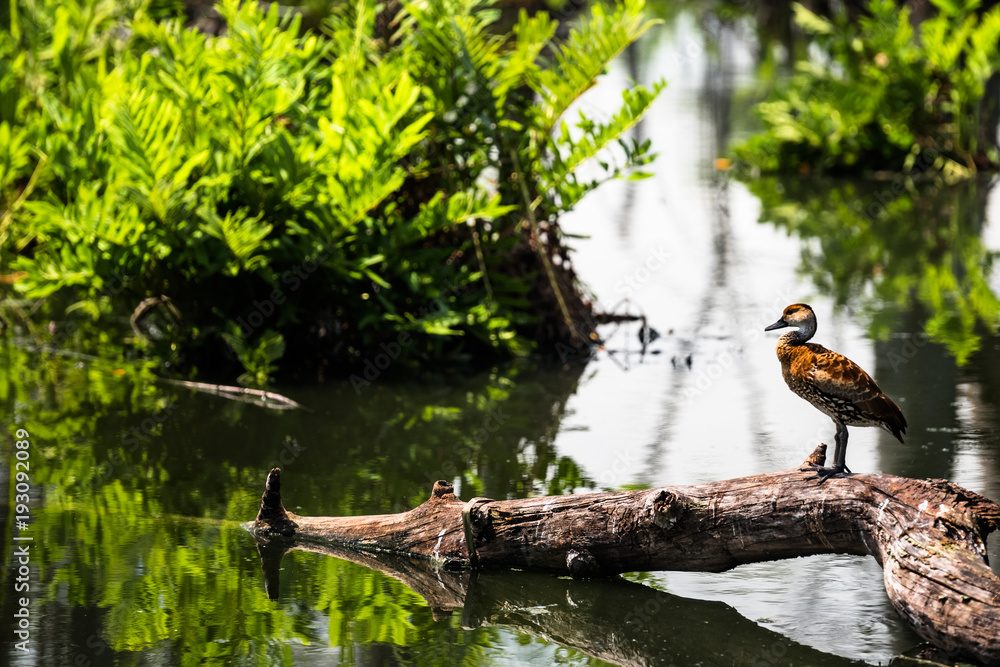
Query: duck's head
{"type": "Point", "coordinates": [800, 316]}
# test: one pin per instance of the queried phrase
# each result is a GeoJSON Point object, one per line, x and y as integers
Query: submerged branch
{"type": "Point", "coordinates": [267, 399]}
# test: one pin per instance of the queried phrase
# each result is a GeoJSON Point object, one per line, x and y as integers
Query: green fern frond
{"type": "Point", "coordinates": [596, 137]}
{"type": "Point", "coordinates": [243, 234]}
{"type": "Point", "coordinates": [585, 55]}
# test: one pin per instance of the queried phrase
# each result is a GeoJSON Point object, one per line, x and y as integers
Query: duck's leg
{"type": "Point", "coordinates": [840, 452]}
{"type": "Point", "coordinates": [839, 455]}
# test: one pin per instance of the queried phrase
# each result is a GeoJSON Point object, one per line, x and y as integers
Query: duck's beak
{"type": "Point", "coordinates": [777, 325]}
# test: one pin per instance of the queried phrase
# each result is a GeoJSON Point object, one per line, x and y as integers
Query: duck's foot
{"type": "Point", "coordinates": [823, 474]}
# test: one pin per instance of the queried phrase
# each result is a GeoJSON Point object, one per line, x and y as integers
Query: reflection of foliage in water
{"type": "Point", "coordinates": [889, 244]}
{"type": "Point", "coordinates": [140, 489]}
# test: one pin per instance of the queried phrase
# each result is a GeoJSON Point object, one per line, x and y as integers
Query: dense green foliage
{"type": "Point", "coordinates": [877, 95]}
{"type": "Point", "coordinates": [287, 191]}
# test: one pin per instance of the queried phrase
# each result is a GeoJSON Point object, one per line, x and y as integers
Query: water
{"type": "Point", "coordinates": [729, 413]}
{"type": "Point", "coordinates": [139, 489]}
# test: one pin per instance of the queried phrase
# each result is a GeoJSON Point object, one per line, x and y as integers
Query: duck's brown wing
{"type": "Point", "coordinates": [839, 377]}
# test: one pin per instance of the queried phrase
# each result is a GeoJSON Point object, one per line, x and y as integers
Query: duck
{"type": "Point", "coordinates": [833, 384]}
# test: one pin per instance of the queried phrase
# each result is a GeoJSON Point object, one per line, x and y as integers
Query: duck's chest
{"type": "Point", "coordinates": [797, 363]}
{"type": "Point", "coordinates": [797, 368]}
{"type": "Point", "coordinates": [798, 375]}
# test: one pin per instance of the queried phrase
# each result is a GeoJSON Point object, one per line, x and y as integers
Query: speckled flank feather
{"type": "Point", "coordinates": [837, 386]}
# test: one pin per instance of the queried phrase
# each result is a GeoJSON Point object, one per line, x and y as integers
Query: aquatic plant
{"type": "Point", "coordinates": [308, 193]}
{"type": "Point", "coordinates": [877, 94]}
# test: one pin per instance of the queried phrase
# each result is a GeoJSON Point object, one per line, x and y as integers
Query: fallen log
{"type": "Point", "coordinates": [928, 536]}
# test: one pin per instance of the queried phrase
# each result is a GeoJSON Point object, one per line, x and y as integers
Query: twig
{"type": "Point", "coordinates": [530, 212]}
{"type": "Point", "coordinates": [267, 399]}
{"type": "Point", "coordinates": [482, 266]}
{"type": "Point", "coordinates": [147, 304]}
{"type": "Point", "coordinates": [8, 215]}
{"type": "Point", "coordinates": [255, 396]}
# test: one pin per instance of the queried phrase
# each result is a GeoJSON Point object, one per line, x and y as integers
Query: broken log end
{"type": "Point", "coordinates": [443, 490]}
{"type": "Point", "coordinates": [272, 519]}
{"type": "Point", "coordinates": [817, 458]}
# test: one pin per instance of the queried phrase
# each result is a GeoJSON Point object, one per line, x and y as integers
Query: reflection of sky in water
{"type": "Point", "coordinates": [731, 414]}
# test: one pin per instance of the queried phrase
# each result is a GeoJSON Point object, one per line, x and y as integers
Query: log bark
{"type": "Point", "coordinates": [928, 535]}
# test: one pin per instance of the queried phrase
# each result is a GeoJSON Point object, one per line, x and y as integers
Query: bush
{"type": "Point", "coordinates": [299, 194]}
{"type": "Point", "coordinates": [876, 95]}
